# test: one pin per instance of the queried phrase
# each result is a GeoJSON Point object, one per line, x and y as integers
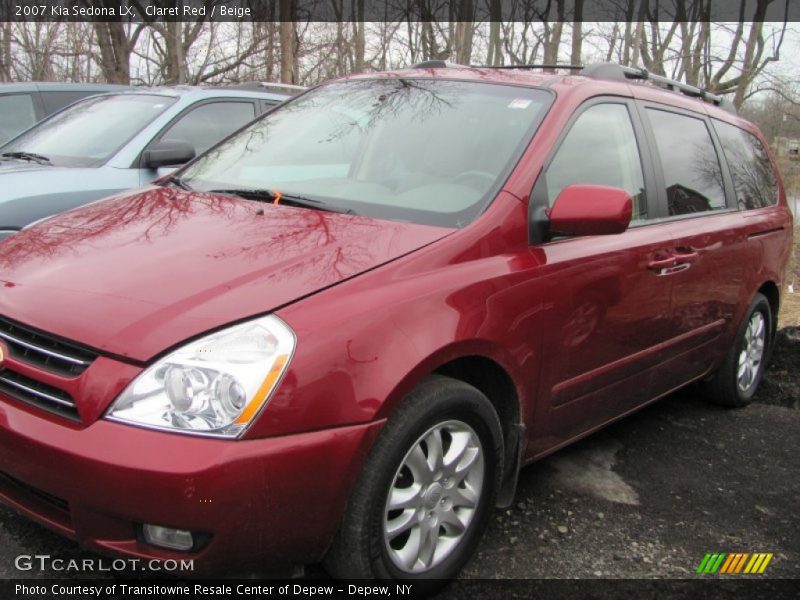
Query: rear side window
{"type": "Point", "coordinates": [600, 149]}
{"type": "Point", "coordinates": [692, 172]}
{"type": "Point", "coordinates": [751, 169]}
{"type": "Point", "coordinates": [207, 124]}
{"type": "Point", "coordinates": [54, 101]}
{"type": "Point", "coordinates": [16, 115]}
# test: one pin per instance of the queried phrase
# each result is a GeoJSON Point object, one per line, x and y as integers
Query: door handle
{"type": "Point", "coordinates": [661, 264]}
{"type": "Point", "coordinates": [686, 256]}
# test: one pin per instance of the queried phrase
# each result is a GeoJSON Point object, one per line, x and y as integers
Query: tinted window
{"type": "Point", "coordinates": [751, 169]}
{"type": "Point", "coordinates": [16, 115]}
{"type": "Point", "coordinates": [207, 124]}
{"type": "Point", "coordinates": [54, 101]}
{"type": "Point", "coordinates": [422, 150]}
{"type": "Point", "coordinates": [692, 173]}
{"type": "Point", "coordinates": [600, 149]}
{"type": "Point", "coordinates": [91, 131]}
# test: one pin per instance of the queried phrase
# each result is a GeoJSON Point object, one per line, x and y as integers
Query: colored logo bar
{"type": "Point", "coordinates": [734, 563]}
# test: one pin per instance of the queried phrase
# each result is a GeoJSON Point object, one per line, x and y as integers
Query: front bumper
{"type": "Point", "coordinates": [264, 503]}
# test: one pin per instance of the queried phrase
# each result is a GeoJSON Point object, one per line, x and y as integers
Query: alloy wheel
{"type": "Point", "coordinates": [433, 497]}
{"type": "Point", "coordinates": [752, 352]}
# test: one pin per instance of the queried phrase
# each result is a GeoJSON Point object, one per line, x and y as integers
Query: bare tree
{"type": "Point", "coordinates": [288, 34]}
{"type": "Point", "coordinates": [5, 51]}
{"type": "Point", "coordinates": [359, 34]}
{"type": "Point", "coordinates": [464, 30]}
{"type": "Point", "coordinates": [757, 55]}
{"type": "Point", "coordinates": [552, 32]}
{"type": "Point", "coordinates": [577, 34]}
{"type": "Point", "coordinates": [116, 42]}
{"type": "Point", "coordinates": [495, 53]}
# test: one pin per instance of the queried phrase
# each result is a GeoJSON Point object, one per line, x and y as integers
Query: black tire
{"type": "Point", "coordinates": [723, 388]}
{"type": "Point", "coordinates": [359, 550]}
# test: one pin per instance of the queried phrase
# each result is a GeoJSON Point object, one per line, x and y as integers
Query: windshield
{"type": "Point", "coordinates": [88, 133]}
{"type": "Point", "coordinates": [421, 150]}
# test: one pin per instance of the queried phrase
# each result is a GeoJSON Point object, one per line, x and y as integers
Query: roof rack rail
{"type": "Point", "coordinates": [257, 85]}
{"type": "Point", "coordinates": [433, 64]}
{"type": "Point", "coordinates": [551, 66]}
{"type": "Point", "coordinates": [616, 72]}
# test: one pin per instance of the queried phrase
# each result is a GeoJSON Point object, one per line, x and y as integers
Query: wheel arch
{"type": "Point", "coordinates": [484, 368]}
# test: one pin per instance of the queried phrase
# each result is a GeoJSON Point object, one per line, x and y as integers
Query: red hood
{"type": "Point", "coordinates": [137, 274]}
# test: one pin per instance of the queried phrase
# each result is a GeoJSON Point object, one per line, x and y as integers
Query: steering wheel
{"type": "Point", "coordinates": [471, 178]}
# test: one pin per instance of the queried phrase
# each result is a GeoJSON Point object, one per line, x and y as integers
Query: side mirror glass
{"type": "Point", "coordinates": [590, 210]}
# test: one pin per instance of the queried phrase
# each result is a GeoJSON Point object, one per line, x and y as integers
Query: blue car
{"type": "Point", "coordinates": [24, 104]}
{"type": "Point", "coordinates": [105, 144]}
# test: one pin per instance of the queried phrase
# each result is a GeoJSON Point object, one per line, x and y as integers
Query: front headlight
{"type": "Point", "coordinates": [213, 386]}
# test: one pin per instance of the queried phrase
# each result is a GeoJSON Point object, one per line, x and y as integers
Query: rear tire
{"type": "Point", "coordinates": [735, 382]}
{"type": "Point", "coordinates": [443, 498]}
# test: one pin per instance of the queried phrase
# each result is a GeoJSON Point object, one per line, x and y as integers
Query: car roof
{"type": "Point", "coordinates": [177, 91]}
{"type": "Point", "coordinates": [59, 86]}
{"type": "Point", "coordinates": [561, 83]}
{"type": "Point", "coordinates": [198, 93]}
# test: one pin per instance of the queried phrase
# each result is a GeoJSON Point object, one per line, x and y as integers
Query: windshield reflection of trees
{"type": "Point", "coordinates": [381, 101]}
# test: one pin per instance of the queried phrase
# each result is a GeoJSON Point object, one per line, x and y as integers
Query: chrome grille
{"type": "Point", "coordinates": [44, 351]}
{"type": "Point", "coordinates": [38, 394]}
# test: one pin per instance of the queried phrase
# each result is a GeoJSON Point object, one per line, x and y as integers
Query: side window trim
{"type": "Point", "coordinates": [727, 178]}
{"type": "Point", "coordinates": [661, 189]}
{"type": "Point", "coordinates": [137, 163]}
{"type": "Point", "coordinates": [734, 203]}
{"type": "Point", "coordinates": [38, 103]}
{"type": "Point", "coordinates": [538, 204]}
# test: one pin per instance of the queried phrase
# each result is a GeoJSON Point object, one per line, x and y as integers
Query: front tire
{"type": "Point", "coordinates": [427, 488]}
{"type": "Point", "coordinates": [735, 382]}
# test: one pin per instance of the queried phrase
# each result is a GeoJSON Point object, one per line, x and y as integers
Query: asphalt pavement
{"type": "Point", "coordinates": [647, 497]}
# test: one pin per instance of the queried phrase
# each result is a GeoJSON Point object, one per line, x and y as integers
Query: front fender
{"type": "Point", "coordinates": [362, 345]}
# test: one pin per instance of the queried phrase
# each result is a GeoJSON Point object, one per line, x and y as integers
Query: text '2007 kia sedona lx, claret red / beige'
{"type": "Point", "coordinates": [337, 335]}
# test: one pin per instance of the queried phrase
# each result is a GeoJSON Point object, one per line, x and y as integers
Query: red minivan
{"type": "Point", "coordinates": [339, 334]}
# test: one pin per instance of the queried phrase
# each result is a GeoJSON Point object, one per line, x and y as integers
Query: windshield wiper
{"type": "Point", "coordinates": [29, 156]}
{"type": "Point", "coordinates": [176, 181]}
{"type": "Point", "coordinates": [264, 195]}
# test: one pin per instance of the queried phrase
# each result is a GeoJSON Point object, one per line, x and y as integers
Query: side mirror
{"type": "Point", "coordinates": [166, 153]}
{"type": "Point", "coordinates": [590, 210]}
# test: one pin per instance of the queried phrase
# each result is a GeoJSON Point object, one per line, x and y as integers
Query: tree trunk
{"type": "Point", "coordinates": [750, 66]}
{"type": "Point", "coordinates": [174, 68]}
{"type": "Point", "coordinates": [287, 35]}
{"type": "Point", "coordinates": [577, 34]}
{"type": "Point", "coordinates": [494, 55]}
{"type": "Point", "coordinates": [115, 52]}
{"type": "Point", "coordinates": [553, 35]}
{"type": "Point", "coordinates": [464, 30]}
{"type": "Point", "coordinates": [5, 51]}
{"type": "Point", "coordinates": [360, 37]}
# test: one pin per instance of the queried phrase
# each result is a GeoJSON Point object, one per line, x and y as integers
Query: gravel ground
{"type": "Point", "coordinates": [644, 498]}
{"type": "Point", "coordinates": [650, 495]}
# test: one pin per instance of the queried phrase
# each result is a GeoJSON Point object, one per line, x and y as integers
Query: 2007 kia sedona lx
{"type": "Point", "coordinates": [338, 334]}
